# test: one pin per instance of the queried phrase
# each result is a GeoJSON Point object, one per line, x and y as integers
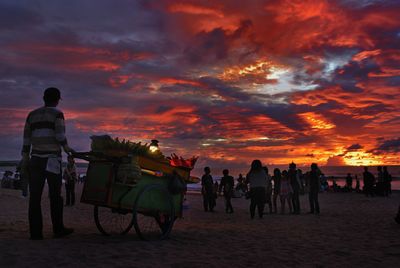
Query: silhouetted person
{"type": "Point", "coordinates": [314, 189]}
{"type": "Point", "coordinates": [215, 194]}
{"type": "Point", "coordinates": [285, 192]}
{"type": "Point", "coordinates": [276, 178]}
{"type": "Point", "coordinates": [357, 184]}
{"type": "Point", "coordinates": [70, 177]}
{"type": "Point", "coordinates": [349, 182]}
{"type": "Point", "coordinates": [241, 185]}
{"type": "Point", "coordinates": [300, 178]}
{"type": "Point", "coordinates": [268, 190]}
{"type": "Point", "coordinates": [295, 183]}
{"type": "Point", "coordinates": [380, 183]}
{"type": "Point", "coordinates": [397, 218]}
{"type": "Point", "coordinates": [44, 136]}
{"type": "Point", "coordinates": [387, 182]}
{"type": "Point", "coordinates": [207, 190]}
{"type": "Point", "coordinates": [257, 178]}
{"type": "Point", "coordinates": [226, 186]}
{"type": "Point", "coordinates": [369, 181]}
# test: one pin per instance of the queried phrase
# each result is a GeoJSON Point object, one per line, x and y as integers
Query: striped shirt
{"type": "Point", "coordinates": [45, 132]}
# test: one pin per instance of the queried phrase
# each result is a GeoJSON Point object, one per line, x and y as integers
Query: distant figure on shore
{"type": "Point", "coordinates": [397, 218]}
{"type": "Point", "coordinates": [314, 189]}
{"type": "Point", "coordinates": [295, 183]}
{"type": "Point", "coordinates": [268, 190]}
{"type": "Point", "coordinates": [226, 186]}
{"type": "Point", "coordinates": [276, 178]}
{"type": "Point", "coordinates": [349, 182]}
{"type": "Point", "coordinates": [380, 186]}
{"type": "Point", "coordinates": [300, 179]}
{"type": "Point", "coordinates": [369, 181]}
{"type": "Point", "coordinates": [324, 182]}
{"type": "Point", "coordinates": [257, 179]}
{"type": "Point", "coordinates": [387, 181]}
{"type": "Point", "coordinates": [357, 189]}
{"type": "Point", "coordinates": [70, 177]}
{"type": "Point", "coordinates": [285, 192]}
{"type": "Point", "coordinates": [44, 136]}
{"type": "Point", "coordinates": [241, 186]}
{"type": "Point", "coordinates": [335, 187]}
{"type": "Point", "coordinates": [207, 190]}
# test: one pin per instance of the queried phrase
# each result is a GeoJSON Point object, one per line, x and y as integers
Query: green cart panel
{"type": "Point", "coordinates": [99, 178]}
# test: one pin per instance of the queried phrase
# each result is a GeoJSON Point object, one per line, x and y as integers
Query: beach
{"type": "Point", "coordinates": [352, 231]}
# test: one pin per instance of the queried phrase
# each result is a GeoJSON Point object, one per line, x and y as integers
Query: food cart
{"type": "Point", "coordinates": [131, 185]}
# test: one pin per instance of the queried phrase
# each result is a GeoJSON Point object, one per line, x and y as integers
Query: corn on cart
{"type": "Point", "coordinates": [132, 186]}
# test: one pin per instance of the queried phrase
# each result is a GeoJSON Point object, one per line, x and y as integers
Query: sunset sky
{"type": "Point", "coordinates": [229, 81]}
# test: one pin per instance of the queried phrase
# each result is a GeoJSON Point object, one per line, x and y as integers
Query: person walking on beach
{"type": "Point", "coordinates": [44, 136]}
{"type": "Point", "coordinates": [295, 183]}
{"type": "Point", "coordinates": [257, 179]}
{"type": "Point", "coordinates": [268, 190]}
{"type": "Point", "coordinates": [207, 190]}
{"type": "Point", "coordinates": [369, 181]}
{"type": "Point", "coordinates": [314, 189]}
{"type": "Point", "coordinates": [357, 189]}
{"type": "Point", "coordinates": [387, 182]}
{"type": "Point", "coordinates": [276, 178]}
{"type": "Point", "coordinates": [241, 186]}
{"type": "Point", "coordinates": [226, 186]}
{"type": "Point", "coordinates": [70, 177]}
{"type": "Point", "coordinates": [380, 184]}
{"type": "Point", "coordinates": [285, 192]}
{"type": "Point", "coordinates": [349, 182]}
{"type": "Point", "coordinates": [397, 218]}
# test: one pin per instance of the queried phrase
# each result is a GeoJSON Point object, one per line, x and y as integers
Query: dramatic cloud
{"type": "Point", "coordinates": [281, 81]}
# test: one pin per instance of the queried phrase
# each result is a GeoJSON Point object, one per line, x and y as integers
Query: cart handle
{"type": "Point", "coordinates": [88, 156]}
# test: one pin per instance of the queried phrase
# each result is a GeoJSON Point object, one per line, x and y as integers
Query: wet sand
{"type": "Point", "coordinates": [352, 231]}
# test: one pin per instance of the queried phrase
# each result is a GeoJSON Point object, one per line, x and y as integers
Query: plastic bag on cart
{"type": "Point", "coordinates": [129, 171]}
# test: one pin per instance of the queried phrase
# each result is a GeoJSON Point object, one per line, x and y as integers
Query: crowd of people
{"type": "Point", "coordinates": [262, 189]}
{"type": "Point", "coordinates": [286, 186]}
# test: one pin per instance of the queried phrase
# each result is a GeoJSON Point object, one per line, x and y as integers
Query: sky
{"type": "Point", "coordinates": [228, 81]}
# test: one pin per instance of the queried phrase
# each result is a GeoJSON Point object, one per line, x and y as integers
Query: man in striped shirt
{"type": "Point", "coordinates": [44, 136]}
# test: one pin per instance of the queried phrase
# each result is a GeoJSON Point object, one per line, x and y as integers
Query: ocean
{"type": "Point", "coordinates": [338, 173]}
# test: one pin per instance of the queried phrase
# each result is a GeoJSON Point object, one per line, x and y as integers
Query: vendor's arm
{"type": "Point", "coordinates": [26, 147]}
{"type": "Point", "coordinates": [60, 133]}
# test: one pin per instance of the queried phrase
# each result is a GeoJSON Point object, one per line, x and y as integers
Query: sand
{"type": "Point", "coordinates": [352, 231]}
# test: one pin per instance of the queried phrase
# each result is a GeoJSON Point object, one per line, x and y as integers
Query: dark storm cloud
{"type": "Point", "coordinates": [215, 45]}
{"type": "Point", "coordinates": [354, 147]}
{"type": "Point", "coordinates": [388, 146]}
{"type": "Point", "coordinates": [14, 17]}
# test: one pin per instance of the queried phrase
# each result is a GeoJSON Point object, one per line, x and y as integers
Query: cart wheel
{"type": "Point", "coordinates": [153, 224]}
{"type": "Point", "coordinates": [112, 221]}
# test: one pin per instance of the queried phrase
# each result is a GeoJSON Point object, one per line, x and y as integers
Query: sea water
{"type": "Point", "coordinates": [337, 173]}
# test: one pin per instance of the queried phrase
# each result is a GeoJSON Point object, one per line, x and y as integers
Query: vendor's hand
{"type": "Point", "coordinates": [25, 160]}
{"type": "Point", "coordinates": [25, 157]}
{"type": "Point", "coordinates": [68, 150]}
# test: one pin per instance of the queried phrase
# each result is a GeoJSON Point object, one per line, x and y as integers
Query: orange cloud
{"type": "Point", "coordinates": [193, 9]}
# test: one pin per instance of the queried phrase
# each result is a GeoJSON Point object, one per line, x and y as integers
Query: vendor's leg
{"type": "Point", "coordinates": [37, 178]}
{"type": "Point", "coordinates": [56, 201]}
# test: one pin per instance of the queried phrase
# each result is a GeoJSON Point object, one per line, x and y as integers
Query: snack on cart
{"type": "Point", "coordinates": [130, 184]}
